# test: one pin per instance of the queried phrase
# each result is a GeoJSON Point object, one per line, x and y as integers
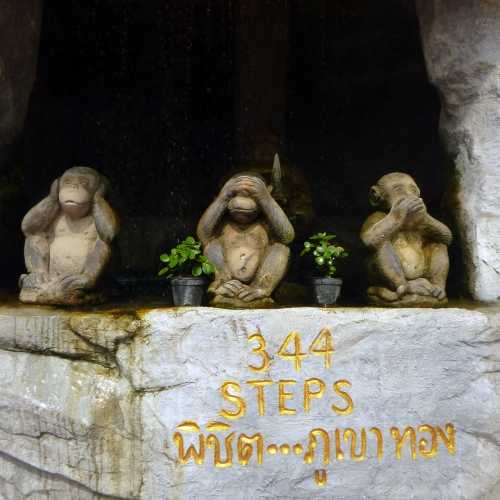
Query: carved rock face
{"type": "Point", "coordinates": [107, 393]}
{"type": "Point", "coordinates": [460, 41]}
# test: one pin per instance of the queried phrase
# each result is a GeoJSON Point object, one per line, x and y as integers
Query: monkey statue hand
{"type": "Point", "coordinates": [417, 211]}
{"type": "Point", "coordinates": [229, 190]}
{"type": "Point", "coordinates": [253, 187]}
{"type": "Point", "coordinates": [404, 207]}
{"type": "Point", "coordinates": [253, 293]}
{"type": "Point", "coordinates": [231, 288]}
{"type": "Point", "coordinates": [76, 282]}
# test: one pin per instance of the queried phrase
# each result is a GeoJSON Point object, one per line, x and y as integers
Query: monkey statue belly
{"type": "Point", "coordinates": [245, 234]}
{"type": "Point", "coordinates": [244, 250]}
{"type": "Point", "coordinates": [68, 236]}
{"type": "Point", "coordinates": [408, 264]}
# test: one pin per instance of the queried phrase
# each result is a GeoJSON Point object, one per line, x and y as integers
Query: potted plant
{"type": "Point", "coordinates": [326, 288]}
{"type": "Point", "coordinates": [186, 267]}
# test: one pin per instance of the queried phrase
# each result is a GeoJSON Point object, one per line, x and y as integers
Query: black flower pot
{"type": "Point", "coordinates": [326, 291]}
{"type": "Point", "coordinates": [188, 290]}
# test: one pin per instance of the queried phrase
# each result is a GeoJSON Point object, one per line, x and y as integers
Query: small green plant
{"type": "Point", "coordinates": [186, 258]}
{"type": "Point", "coordinates": [325, 253]}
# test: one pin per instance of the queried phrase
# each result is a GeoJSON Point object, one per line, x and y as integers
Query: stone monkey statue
{"type": "Point", "coordinates": [409, 262]}
{"type": "Point", "coordinates": [245, 234]}
{"type": "Point", "coordinates": [68, 236]}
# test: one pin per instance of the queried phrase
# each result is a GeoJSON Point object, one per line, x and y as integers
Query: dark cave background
{"type": "Point", "coordinates": [145, 93]}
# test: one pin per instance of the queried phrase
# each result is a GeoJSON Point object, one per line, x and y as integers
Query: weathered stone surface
{"type": "Point", "coordinates": [75, 429]}
{"type": "Point", "coordinates": [83, 336]}
{"type": "Point", "coordinates": [461, 40]}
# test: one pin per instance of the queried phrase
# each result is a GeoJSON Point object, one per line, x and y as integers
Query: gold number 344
{"type": "Point", "coordinates": [322, 345]}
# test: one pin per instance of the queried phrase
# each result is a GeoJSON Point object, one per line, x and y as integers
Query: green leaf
{"type": "Point", "coordinates": [163, 271]}
{"type": "Point", "coordinates": [197, 270]}
{"type": "Point", "coordinates": [208, 268]}
{"type": "Point", "coordinates": [164, 257]}
{"type": "Point", "coordinates": [173, 260]}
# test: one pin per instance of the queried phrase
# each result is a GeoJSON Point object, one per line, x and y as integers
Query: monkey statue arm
{"type": "Point", "coordinates": [277, 220]}
{"type": "Point", "coordinates": [212, 216]}
{"type": "Point", "coordinates": [39, 218]}
{"type": "Point", "coordinates": [437, 231]}
{"type": "Point", "coordinates": [36, 248]}
{"type": "Point", "coordinates": [381, 227]}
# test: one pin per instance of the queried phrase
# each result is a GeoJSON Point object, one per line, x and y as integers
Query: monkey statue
{"type": "Point", "coordinates": [68, 236]}
{"type": "Point", "coordinates": [409, 261]}
{"type": "Point", "coordinates": [245, 234]}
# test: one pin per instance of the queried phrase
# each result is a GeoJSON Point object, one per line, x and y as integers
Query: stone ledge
{"type": "Point", "coordinates": [91, 400]}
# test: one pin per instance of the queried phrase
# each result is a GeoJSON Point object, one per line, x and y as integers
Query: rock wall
{"type": "Point", "coordinates": [90, 403]}
{"type": "Point", "coordinates": [19, 36]}
{"type": "Point", "coordinates": [461, 40]}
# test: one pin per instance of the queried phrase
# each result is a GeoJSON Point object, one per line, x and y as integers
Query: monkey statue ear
{"type": "Point", "coordinates": [270, 188]}
{"type": "Point", "coordinates": [54, 189]}
{"type": "Point", "coordinates": [375, 196]}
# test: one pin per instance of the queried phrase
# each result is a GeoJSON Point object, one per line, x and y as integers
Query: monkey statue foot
{"type": "Point", "coordinates": [236, 303]}
{"type": "Point", "coordinates": [49, 291]}
{"type": "Point", "coordinates": [235, 294]}
{"type": "Point", "coordinates": [381, 296]}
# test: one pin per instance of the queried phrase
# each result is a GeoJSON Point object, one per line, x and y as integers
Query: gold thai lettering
{"type": "Point", "coordinates": [424, 443]}
{"type": "Point", "coordinates": [272, 449]}
{"type": "Point", "coordinates": [351, 434]}
{"type": "Point", "coordinates": [197, 455]}
{"type": "Point", "coordinates": [339, 454]}
{"type": "Point", "coordinates": [285, 449]}
{"type": "Point", "coordinates": [245, 448]}
{"type": "Point", "coordinates": [217, 426]}
{"type": "Point", "coordinates": [448, 438]}
{"type": "Point", "coordinates": [321, 477]}
{"type": "Point", "coordinates": [313, 444]}
{"type": "Point", "coordinates": [399, 439]}
{"type": "Point", "coordinates": [380, 442]}
{"type": "Point", "coordinates": [213, 441]}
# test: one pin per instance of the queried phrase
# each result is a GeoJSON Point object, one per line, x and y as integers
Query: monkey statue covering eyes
{"type": "Point", "coordinates": [409, 262]}
{"type": "Point", "coordinates": [245, 234]}
{"type": "Point", "coordinates": [68, 236]}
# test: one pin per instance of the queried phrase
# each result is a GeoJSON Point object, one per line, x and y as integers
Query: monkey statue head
{"type": "Point", "coordinates": [76, 190]}
{"type": "Point", "coordinates": [391, 188]}
{"type": "Point", "coordinates": [242, 207]}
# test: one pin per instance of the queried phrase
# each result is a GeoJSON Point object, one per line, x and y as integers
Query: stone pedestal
{"type": "Point", "coordinates": [97, 403]}
{"type": "Point", "coordinates": [460, 40]}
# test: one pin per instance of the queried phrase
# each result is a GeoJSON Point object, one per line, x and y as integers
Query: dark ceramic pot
{"type": "Point", "coordinates": [326, 291]}
{"type": "Point", "coordinates": [188, 290]}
